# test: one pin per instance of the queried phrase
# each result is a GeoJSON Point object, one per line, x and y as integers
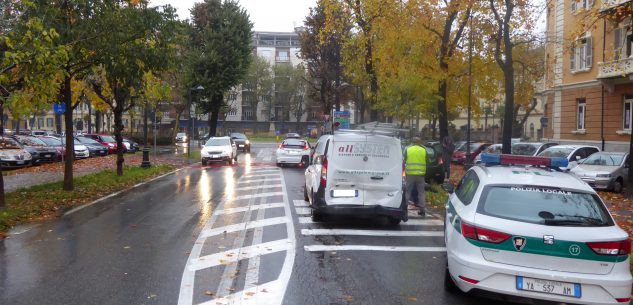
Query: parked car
{"type": "Point", "coordinates": [80, 151]}
{"type": "Point", "coordinates": [39, 133]}
{"type": "Point", "coordinates": [94, 148]}
{"type": "Point", "coordinates": [459, 156]}
{"type": "Point", "coordinates": [434, 162]}
{"type": "Point", "coordinates": [573, 153]}
{"type": "Point", "coordinates": [530, 148]}
{"type": "Point", "coordinates": [130, 146]}
{"type": "Point", "coordinates": [181, 137]}
{"type": "Point", "coordinates": [293, 151]}
{"type": "Point", "coordinates": [356, 174]}
{"type": "Point", "coordinates": [12, 155]}
{"type": "Point", "coordinates": [106, 140]}
{"type": "Point", "coordinates": [40, 152]}
{"type": "Point", "coordinates": [221, 149]}
{"type": "Point", "coordinates": [242, 142]}
{"type": "Point", "coordinates": [604, 170]}
{"type": "Point", "coordinates": [492, 149]}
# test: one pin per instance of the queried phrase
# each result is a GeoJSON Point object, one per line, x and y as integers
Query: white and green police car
{"type": "Point", "coordinates": [514, 226]}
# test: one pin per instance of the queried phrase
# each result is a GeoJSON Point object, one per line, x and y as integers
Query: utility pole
{"type": "Point", "coordinates": [470, 89]}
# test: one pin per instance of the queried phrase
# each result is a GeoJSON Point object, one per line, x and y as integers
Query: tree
{"type": "Point", "coordinates": [221, 38]}
{"type": "Point", "coordinates": [137, 46]}
{"type": "Point", "coordinates": [290, 88]}
{"type": "Point", "coordinates": [258, 86]}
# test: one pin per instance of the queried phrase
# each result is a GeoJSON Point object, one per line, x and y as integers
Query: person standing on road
{"type": "Point", "coordinates": [415, 169]}
{"type": "Point", "coordinates": [448, 147]}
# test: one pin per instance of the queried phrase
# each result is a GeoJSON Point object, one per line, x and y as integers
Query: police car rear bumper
{"type": "Point", "coordinates": [501, 278]}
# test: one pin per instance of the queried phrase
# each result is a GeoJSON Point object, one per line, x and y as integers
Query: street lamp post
{"type": "Point", "coordinates": [470, 89]}
{"type": "Point", "coordinates": [146, 163]}
{"type": "Point", "coordinates": [190, 133]}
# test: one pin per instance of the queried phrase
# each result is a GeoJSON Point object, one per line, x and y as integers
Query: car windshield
{"type": "Point", "coordinates": [494, 149]}
{"type": "Point", "coordinates": [85, 140]}
{"type": "Point", "coordinates": [51, 141]}
{"type": "Point", "coordinates": [238, 135]}
{"type": "Point", "coordinates": [604, 159]}
{"type": "Point", "coordinates": [473, 147]}
{"type": "Point", "coordinates": [524, 149]}
{"type": "Point", "coordinates": [108, 139]}
{"type": "Point", "coordinates": [293, 143]}
{"type": "Point", "coordinates": [544, 205]}
{"type": "Point", "coordinates": [558, 152]}
{"type": "Point", "coordinates": [218, 142]}
{"type": "Point", "coordinates": [63, 141]}
{"type": "Point", "coordinates": [181, 134]}
{"type": "Point", "coordinates": [6, 143]}
{"type": "Point", "coordinates": [31, 141]}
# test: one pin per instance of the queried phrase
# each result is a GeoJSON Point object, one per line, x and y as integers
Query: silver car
{"type": "Point", "coordinates": [604, 170]}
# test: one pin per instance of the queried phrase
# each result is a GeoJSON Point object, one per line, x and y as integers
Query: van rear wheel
{"type": "Point", "coordinates": [305, 194]}
{"type": "Point", "coordinates": [393, 221]}
{"type": "Point", "coordinates": [316, 216]}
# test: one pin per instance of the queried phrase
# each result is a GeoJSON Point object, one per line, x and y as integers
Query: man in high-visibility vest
{"type": "Point", "coordinates": [415, 169]}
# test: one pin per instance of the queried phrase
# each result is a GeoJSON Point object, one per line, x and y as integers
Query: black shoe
{"type": "Point", "coordinates": [421, 213]}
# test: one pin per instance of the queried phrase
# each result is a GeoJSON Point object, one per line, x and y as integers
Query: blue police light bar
{"type": "Point", "coordinates": [497, 159]}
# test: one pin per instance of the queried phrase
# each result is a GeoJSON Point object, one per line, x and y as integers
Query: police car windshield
{"type": "Point", "coordinates": [544, 205]}
{"type": "Point", "coordinates": [557, 152]}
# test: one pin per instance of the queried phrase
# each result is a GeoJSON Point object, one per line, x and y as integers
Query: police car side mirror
{"type": "Point", "coordinates": [577, 158]}
{"type": "Point", "coordinates": [448, 187]}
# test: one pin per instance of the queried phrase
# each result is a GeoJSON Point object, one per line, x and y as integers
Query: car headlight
{"type": "Point", "coordinates": [247, 142]}
{"type": "Point", "coordinates": [27, 156]}
{"type": "Point", "coordinates": [4, 156]}
{"type": "Point", "coordinates": [603, 176]}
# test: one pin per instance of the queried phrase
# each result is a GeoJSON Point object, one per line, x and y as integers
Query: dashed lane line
{"type": "Point", "coordinates": [243, 226]}
{"type": "Point", "coordinates": [234, 255]}
{"type": "Point", "coordinates": [315, 232]}
{"type": "Point", "coordinates": [246, 188]}
{"type": "Point", "coordinates": [259, 180]}
{"type": "Point", "coordinates": [262, 175]}
{"type": "Point", "coordinates": [259, 195]}
{"type": "Point", "coordinates": [322, 248]}
{"type": "Point", "coordinates": [261, 206]}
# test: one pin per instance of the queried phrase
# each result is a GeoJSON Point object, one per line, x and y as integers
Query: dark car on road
{"type": "Point", "coordinates": [106, 140]}
{"type": "Point", "coordinates": [434, 161]}
{"type": "Point", "coordinates": [40, 152]}
{"type": "Point", "coordinates": [241, 141]}
{"type": "Point", "coordinates": [95, 148]}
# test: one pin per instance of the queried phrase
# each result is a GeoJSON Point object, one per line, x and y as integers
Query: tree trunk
{"type": "Point", "coordinates": [1, 118]}
{"type": "Point", "coordinates": [66, 94]}
{"type": "Point", "coordinates": [17, 126]}
{"type": "Point", "coordinates": [98, 121]}
{"type": "Point", "coordinates": [442, 110]}
{"type": "Point", "coordinates": [215, 112]}
{"type": "Point", "coordinates": [176, 125]}
{"type": "Point", "coordinates": [118, 130]}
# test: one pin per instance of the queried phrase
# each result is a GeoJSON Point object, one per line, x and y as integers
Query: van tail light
{"type": "Point", "coordinates": [611, 248]}
{"type": "Point", "coordinates": [623, 300]}
{"type": "Point", "coordinates": [324, 172]}
{"type": "Point", "coordinates": [494, 237]}
{"type": "Point", "coordinates": [281, 146]}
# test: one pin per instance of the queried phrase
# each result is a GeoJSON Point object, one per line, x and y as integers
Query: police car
{"type": "Point", "coordinates": [518, 226]}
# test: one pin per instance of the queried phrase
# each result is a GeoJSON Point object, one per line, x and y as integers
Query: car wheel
{"type": "Point", "coordinates": [305, 194]}
{"type": "Point", "coordinates": [449, 284]}
{"type": "Point", "coordinates": [617, 185]}
{"type": "Point", "coordinates": [393, 221]}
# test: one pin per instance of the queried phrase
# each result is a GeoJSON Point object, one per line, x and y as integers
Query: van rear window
{"type": "Point", "coordinates": [290, 143]}
{"type": "Point", "coordinates": [544, 205]}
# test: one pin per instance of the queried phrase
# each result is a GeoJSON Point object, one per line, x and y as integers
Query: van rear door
{"type": "Point", "coordinates": [345, 169]}
{"type": "Point", "coordinates": [382, 181]}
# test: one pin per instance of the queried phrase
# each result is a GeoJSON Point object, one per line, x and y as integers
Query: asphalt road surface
{"type": "Point", "coordinates": [224, 235]}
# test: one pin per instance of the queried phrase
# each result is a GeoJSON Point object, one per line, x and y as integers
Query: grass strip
{"type": "Point", "coordinates": [50, 200]}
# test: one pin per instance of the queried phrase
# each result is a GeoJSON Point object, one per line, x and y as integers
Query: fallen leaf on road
{"type": "Point", "coordinates": [208, 292]}
{"type": "Point", "coordinates": [413, 299]}
{"type": "Point", "coordinates": [250, 294]}
{"type": "Point", "coordinates": [348, 298]}
{"type": "Point", "coordinates": [264, 290]}
{"type": "Point", "coordinates": [126, 247]}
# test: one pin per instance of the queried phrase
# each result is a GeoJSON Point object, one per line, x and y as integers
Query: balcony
{"type": "Point", "coordinates": [282, 58]}
{"type": "Point", "coordinates": [609, 4]}
{"type": "Point", "coordinates": [616, 68]}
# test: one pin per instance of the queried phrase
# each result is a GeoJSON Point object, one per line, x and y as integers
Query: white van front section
{"type": "Point", "coordinates": [364, 170]}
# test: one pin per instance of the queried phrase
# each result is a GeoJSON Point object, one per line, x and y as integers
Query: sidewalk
{"type": "Point", "coordinates": [46, 173]}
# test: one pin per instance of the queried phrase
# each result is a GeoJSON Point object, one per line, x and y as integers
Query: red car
{"type": "Point", "coordinates": [459, 156]}
{"type": "Point", "coordinates": [107, 140]}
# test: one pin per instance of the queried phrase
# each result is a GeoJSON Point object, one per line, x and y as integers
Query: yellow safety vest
{"type": "Point", "coordinates": [415, 163]}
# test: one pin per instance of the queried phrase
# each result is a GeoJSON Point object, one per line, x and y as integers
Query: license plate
{"type": "Point", "coordinates": [19, 162]}
{"type": "Point", "coordinates": [344, 193]}
{"type": "Point", "coordinates": [549, 287]}
{"type": "Point", "coordinates": [47, 156]}
{"type": "Point", "coordinates": [241, 145]}
{"type": "Point", "coordinates": [215, 156]}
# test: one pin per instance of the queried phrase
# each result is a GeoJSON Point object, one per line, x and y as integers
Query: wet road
{"type": "Point", "coordinates": [223, 235]}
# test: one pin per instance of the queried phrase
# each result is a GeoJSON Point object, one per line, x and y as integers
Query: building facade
{"type": "Point", "coordinates": [588, 90]}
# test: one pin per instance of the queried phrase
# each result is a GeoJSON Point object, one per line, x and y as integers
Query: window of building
{"type": "Point", "coordinates": [626, 120]}
{"type": "Point", "coordinates": [622, 42]}
{"type": "Point", "coordinates": [531, 130]}
{"type": "Point", "coordinates": [247, 113]}
{"type": "Point", "coordinates": [40, 123]}
{"type": "Point", "coordinates": [578, 5]}
{"type": "Point", "coordinates": [581, 55]}
{"type": "Point", "coordinates": [232, 111]}
{"type": "Point", "coordinates": [49, 122]}
{"type": "Point", "coordinates": [582, 107]}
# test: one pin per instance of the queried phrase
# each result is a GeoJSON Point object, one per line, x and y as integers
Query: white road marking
{"type": "Point", "coordinates": [252, 272]}
{"type": "Point", "coordinates": [259, 195]}
{"type": "Point", "coordinates": [246, 188]}
{"type": "Point", "coordinates": [255, 295]}
{"type": "Point", "coordinates": [234, 255]}
{"type": "Point", "coordinates": [314, 232]}
{"type": "Point", "coordinates": [252, 207]}
{"type": "Point", "coordinates": [411, 222]}
{"type": "Point", "coordinates": [302, 211]}
{"type": "Point", "coordinates": [321, 248]}
{"type": "Point", "coordinates": [243, 226]}
{"type": "Point", "coordinates": [300, 203]}
{"type": "Point", "coordinates": [259, 180]}
{"type": "Point", "coordinates": [262, 175]}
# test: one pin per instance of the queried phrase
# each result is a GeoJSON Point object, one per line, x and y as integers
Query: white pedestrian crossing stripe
{"type": "Point", "coordinates": [302, 211]}
{"type": "Point", "coordinates": [322, 248]}
{"type": "Point", "coordinates": [300, 203]}
{"type": "Point", "coordinates": [411, 222]}
{"type": "Point", "coordinates": [315, 232]}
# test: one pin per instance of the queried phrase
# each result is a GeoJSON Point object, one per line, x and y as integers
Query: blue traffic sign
{"type": "Point", "coordinates": [59, 108]}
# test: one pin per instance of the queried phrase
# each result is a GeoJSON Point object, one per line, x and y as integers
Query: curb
{"type": "Point", "coordinates": [81, 207]}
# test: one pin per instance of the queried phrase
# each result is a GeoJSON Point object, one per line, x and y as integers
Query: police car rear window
{"type": "Point", "coordinates": [546, 206]}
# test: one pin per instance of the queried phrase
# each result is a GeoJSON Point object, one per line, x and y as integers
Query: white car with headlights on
{"type": "Point", "coordinates": [221, 149]}
{"type": "Point", "coordinates": [517, 225]}
{"type": "Point", "coordinates": [293, 151]}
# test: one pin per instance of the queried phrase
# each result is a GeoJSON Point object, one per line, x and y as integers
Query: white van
{"type": "Point", "coordinates": [356, 174]}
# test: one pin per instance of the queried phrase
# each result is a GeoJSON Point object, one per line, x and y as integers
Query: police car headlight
{"type": "Point", "coordinates": [603, 176]}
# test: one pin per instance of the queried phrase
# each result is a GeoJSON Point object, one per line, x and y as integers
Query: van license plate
{"type": "Point", "coordinates": [344, 193]}
{"type": "Point", "coordinates": [549, 287]}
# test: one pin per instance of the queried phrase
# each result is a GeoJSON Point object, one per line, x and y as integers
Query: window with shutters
{"type": "Point", "coordinates": [580, 5]}
{"type": "Point", "coordinates": [626, 120]}
{"type": "Point", "coordinates": [622, 43]}
{"type": "Point", "coordinates": [581, 56]}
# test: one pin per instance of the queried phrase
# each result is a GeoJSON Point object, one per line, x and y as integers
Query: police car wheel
{"type": "Point", "coordinates": [449, 284]}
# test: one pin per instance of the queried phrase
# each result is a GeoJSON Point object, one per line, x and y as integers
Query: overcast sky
{"type": "Point", "coordinates": [267, 15]}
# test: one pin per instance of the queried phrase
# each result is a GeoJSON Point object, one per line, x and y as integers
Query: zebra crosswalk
{"type": "Point", "coordinates": [415, 235]}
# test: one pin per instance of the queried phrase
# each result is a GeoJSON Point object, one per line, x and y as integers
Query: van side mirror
{"type": "Point", "coordinates": [448, 187]}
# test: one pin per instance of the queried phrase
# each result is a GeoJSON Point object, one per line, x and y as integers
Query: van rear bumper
{"type": "Point", "coordinates": [358, 210]}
